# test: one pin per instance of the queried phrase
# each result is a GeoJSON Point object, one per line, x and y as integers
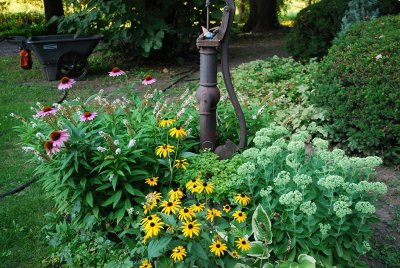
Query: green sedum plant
{"type": "Point", "coordinates": [320, 202]}
{"type": "Point", "coordinates": [358, 88]}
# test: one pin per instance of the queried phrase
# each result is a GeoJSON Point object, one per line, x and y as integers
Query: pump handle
{"type": "Point", "coordinates": [224, 32]}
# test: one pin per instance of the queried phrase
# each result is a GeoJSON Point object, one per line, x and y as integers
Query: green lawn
{"type": "Point", "coordinates": [22, 243]}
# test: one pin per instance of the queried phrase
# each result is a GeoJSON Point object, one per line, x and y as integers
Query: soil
{"type": "Point", "coordinates": [248, 47]}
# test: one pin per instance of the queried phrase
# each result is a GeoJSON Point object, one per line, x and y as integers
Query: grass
{"type": "Point", "coordinates": [22, 241]}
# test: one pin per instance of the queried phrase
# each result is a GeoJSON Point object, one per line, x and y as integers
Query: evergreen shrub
{"type": "Point", "coordinates": [317, 25]}
{"type": "Point", "coordinates": [358, 86]}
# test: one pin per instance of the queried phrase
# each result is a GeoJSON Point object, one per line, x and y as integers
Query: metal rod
{"type": "Point", "coordinates": [208, 14]}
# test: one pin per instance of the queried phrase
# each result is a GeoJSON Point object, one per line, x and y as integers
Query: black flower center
{"type": "Point", "coordinates": [149, 218]}
{"type": "Point", "coordinates": [205, 184]}
{"type": "Point", "coordinates": [186, 210]}
{"type": "Point", "coordinates": [169, 204]}
{"type": "Point", "coordinates": [190, 226]}
{"type": "Point", "coordinates": [55, 135]}
{"type": "Point", "coordinates": [244, 242]}
{"type": "Point", "coordinates": [217, 245]}
{"type": "Point", "coordinates": [152, 224]}
{"type": "Point", "coordinates": [115, 70]}
{"type": "Point", "coordinates": [240, 214]}
{"type": "Point", "coordinates": [47, 109]}
{"type": "Point", "coordinates": [242, 195]}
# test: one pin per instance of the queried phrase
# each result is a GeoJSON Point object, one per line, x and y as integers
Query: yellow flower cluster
{"type": "Point", "coordinates": [198, 186]}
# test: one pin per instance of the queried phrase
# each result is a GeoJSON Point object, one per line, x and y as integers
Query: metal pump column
{"type": "Point", "coordinates": [208, 96]}
{"type": "Point", "coordinates": [208, 93]}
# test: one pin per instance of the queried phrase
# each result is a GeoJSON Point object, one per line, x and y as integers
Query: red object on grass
{"type": "Point", "coordinates": [26, 59]}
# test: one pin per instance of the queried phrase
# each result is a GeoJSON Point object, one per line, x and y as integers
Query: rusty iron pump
{"type": "Point", "coordinates": [208, 93]}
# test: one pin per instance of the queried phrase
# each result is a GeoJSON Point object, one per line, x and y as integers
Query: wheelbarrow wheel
{"type": "Point", "coordinates": [72, 65]}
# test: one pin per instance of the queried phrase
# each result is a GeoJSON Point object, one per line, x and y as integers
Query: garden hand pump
{"type": "Point", "coordinates": [208, 93]}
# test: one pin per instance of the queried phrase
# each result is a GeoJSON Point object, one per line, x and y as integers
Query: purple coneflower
{"type": "Point", "coordinates": [50, 148]}
{"type": "Point", "coordinates": [65, 83]}
{"type": "Point", "coordinates": [58, 137]}
{"type": "Point", "coordinates": [148, 80]}
{"type": "Point", "coordinates": [46, 111]}
{"type": "Point", "coordinates": [88, 116]}
{"type": "Point", "coordinates": [116, 72]}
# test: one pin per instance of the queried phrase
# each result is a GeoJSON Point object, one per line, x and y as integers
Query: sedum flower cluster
{"type": "Point", "coordinates": [311, 194]}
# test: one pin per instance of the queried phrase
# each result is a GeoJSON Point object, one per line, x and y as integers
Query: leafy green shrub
{"type": "Point", "coordinates": [281, 86]}
{"type": "Point", "coordinates": [319, 203]}
{"type": "Point", "coordinates": [22, 23]}
{"type": "Point", "coordinates": [77, 245]}
{"type": "Point", "coordinates": [139, 28]}
{"type": "Point", "coordinates": [315, 28]}
{"type": "Point", "coordinates": [222, 173]}
{"type": "Point", "coordinates": [358, 87]}
{"type": "Point", "coordinates": [102, 163]}
{"type": "Point", "coordinates": [317, 25]}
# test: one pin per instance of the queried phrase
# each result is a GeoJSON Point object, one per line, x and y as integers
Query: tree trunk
{"type": "Point", "coordinates": [267, 16]}
{"type": "Point", "coordinates": [53, 8]}
{"type": "Point", "coordinates": [252, 20]}
{"type": "Point", "coordinates": [240, 10]}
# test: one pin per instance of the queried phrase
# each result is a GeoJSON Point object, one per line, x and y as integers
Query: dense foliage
{"type": "Point", "coordinates": [318, 202]}
{"type": "Point", "coordinates": [281, 87]}
{"type": "Point", "coordinates": [22, 23]}
{"type": "Point", "coordinates": [139, 27]}
{"type": "Point", "coordinates": [317, 25]}
{"type": "Point", "coordinates": [358, 87]}
{"type": "Point", "coordinates": [315, 28]}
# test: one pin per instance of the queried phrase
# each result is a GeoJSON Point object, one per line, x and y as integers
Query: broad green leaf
{"type": "Point", "coordinates": [198, 250]}
{"type": "Point", "coordinates": [120, 214]}
{"type": "Point", "coordinates": [89, 198]}
{"type": "Point", "coordinates": [258, 250]}
{"type": "Point", "coordinates": [261, 225]}
{"type": "Point", "coordinates": [157, 247]}
{"type": "Point", "coordinates": [306, 261]}
{"type": "Point", "coordinates": [114, 199]}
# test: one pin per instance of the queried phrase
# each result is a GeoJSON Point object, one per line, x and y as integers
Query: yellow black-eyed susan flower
{"type": "Point", "coordinates": [212, 213]}
{"type": "Point", "coordinates": [193, 185]}
{"type": "Point", "coordinates": [243, 244]}
{"type": "Point", "coordinates": [175, 194]}
{"type": "Point", "coordinates": [186, 214]}
{"type": "Point", "coordinates": [151, 181]}
{"type": "Point", "coordinates": [170, 206]}
{"type": "Point", "coordinates": [145, 264]}
{"type": "Point", "coordinates": [152, 228]}
{"type": "Point", "coordinates": [166, 122]}
{"type": "Point", "coordinates": [164, 150]}
{"type": "Point", "coordinates": [150, 218]}
{"type": "Point", "coordinates": [178, 253]}
{"type": "Point", "coordinates": [234, 254]}
{"type": "Point", "coordinates": [177, 132]}
{"type": "Point", "coordinates": [207, 187]}
{"type": "Point", "coordinates": [181, 163]}
{"type": "Point", "coordinates": [227, 208]}
{"type": "Point", "coordinates": [218, 248]}
{"type": "Point", "coordinates": [242, 199]}
{"type": "Point", "coordinates": [239, 216]}
{"type": "Point", "coordinates": [190, 228]}
{"type": "Point", "coordinates": [198, 207]}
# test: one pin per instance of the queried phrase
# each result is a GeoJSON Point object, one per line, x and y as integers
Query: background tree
{"type": "Point", "coordinates": [53, 8]}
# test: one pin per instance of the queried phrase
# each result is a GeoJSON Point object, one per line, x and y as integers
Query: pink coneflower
{"type": "Point", "coordinates": [46, 111]}
{"type": "Point", "coordinates": [50, 148]}
{"type": "Point", "coordinates": [58, 137]}
{"type": "Point", "coordinates": [148, 80]}
{"type": "Point", "coordinates": [65, 83]}
{"type": "Point", "coordinates": [88, 116]}
{"type": "Point", "coordinates": [116, 72]}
